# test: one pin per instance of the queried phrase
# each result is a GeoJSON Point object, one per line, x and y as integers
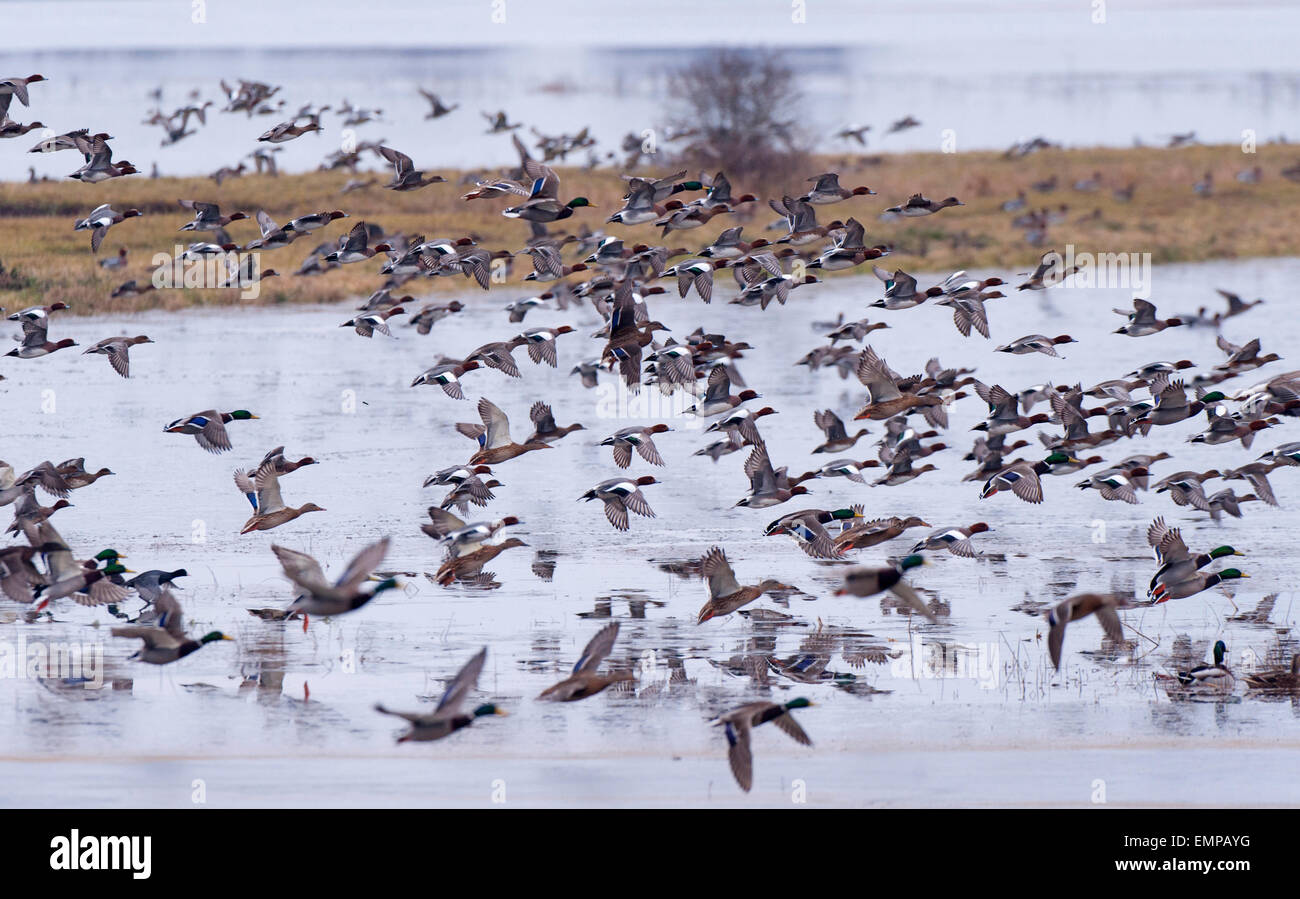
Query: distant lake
{"type": "Point", "coordinates": [615, 92]}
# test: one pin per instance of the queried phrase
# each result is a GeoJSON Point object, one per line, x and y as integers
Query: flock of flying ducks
{"type": "Point", "coordinates": [621, 281]}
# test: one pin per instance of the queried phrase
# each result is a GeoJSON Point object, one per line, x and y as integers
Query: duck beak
{"type": "Point", "coordinates": [224, 637]}
{"type": "Point", "coordinates": [502, 712]}
{"type": "Point", "coordinates": [254, 416]}
{"type": "Point", "coordinates": [1237, 553]}
{"type": "Point", "coordinates": [1244, 574]}
{"type": "Point", "coordinates": [130, 571]}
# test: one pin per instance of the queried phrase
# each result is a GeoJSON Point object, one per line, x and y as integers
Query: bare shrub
{"type": "Point", "coordinates": [737, 110]}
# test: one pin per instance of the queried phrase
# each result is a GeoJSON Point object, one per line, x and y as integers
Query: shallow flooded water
{"type": "Point", "coordinates": [964, 712]}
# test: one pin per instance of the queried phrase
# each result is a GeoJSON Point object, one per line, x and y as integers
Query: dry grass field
{"type": "Point", "coordinates": [42, 260]}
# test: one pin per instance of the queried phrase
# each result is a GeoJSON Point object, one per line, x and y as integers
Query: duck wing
{"type": "Point", "coordinates": [460, 686]}
{"type": "Point", "coordinates": [597, 649]}
{"type": "Point", "coordinates": [362, 565]}
{"type": "Point", "coordinates": [496, 426]}
{"type": "Point", "coordinates": [715, 568]}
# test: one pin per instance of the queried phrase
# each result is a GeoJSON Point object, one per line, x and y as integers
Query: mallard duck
{"type": "Point", "coordinates": [115, 348]}
{"type": "Point", "coordinates": [269, 509]}
{"type": "Point", "coordinates": [447, 718]}
{"type": "Point", "coordinates": [621, 495]}
{"type": "Point", "coordinates": [166, 641]}
{"type": "Point", "coordinates": [1177, 564]}
{"type": "Point", "coordinates": [1195, 584]}
{"type": "Point", "coordinates": [808, 528]}
{"type": "Point", "coordinates": [863, 581]}
{"type": "Point", "coordinates": [639, 438]}
{"type": "Point", "coordinates": [493, 437]}
{"type": "Point", "coordinates": [1216, 678]}
{"type": "Point", "coordinates": [149, 585]}
{"type": "Point", "coordinates": [1023, 478]}
{"type": "Point", "coordinates": [1278, 679]}
{"type": "Point", "coordinates": [726, 595]}
{"type": "Point", "coordinates": [585, 681]}
{"type": "Point", "coordinates": [87, 585]}
{"type": "Point", "coordinates": [877, 531]}
{"type": "Point", "coordinates": [317, 595]}
{"type": "Point", "coordinates": [955, 540]}
{"type": "Point", "coordinates": [738, 723]}
{"type": "Point", "coordinates": [1082, 605]}
{"type": "Point", "coordinates": [546, 209]}
{"type": "Point", "coordinates": [543, 204]}
{"type": "Point", "coordinates": [209, 428]}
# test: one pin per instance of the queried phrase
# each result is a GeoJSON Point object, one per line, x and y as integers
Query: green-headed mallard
{"type": "Point", "coordinates": [447, 718]}
{"type": "Point", "coordinates": [209, 428]}
{"type": "Point", "coordinates": [585, 680]}
{"type": "Point", "coordinates": [1216, 678]}
{"type": "Point", "coordinates": [166, 641]}
{"type": "Point", "coordinates": [317, 596]}
{"type": "Point", "coordinates": [808, 528]}
{"type": "Point", "coordinates": [1177, 564]}
{"type": "Point", "coordinates": [863, 581]}
{"type": "Point", "coordinates": [738, 723]}
{"type": "Point", "coordinates": [1195, 584]}
{"type": "Point", "coordinates": [1024, 478]}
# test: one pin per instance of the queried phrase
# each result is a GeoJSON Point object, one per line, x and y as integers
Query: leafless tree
{"type": "Point", "coordinates": [738, 110]}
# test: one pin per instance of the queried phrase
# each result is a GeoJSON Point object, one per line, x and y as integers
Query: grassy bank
{"type": "Point", "coordinates": [42, 260]}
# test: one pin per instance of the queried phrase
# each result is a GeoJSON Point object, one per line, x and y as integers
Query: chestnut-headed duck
{"type": "Point", "coordinates": [620, 496]}
{"type": "Point", "coordinates": [639, 438]}
{"type": "Point", "coordinates": [917, 205]}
